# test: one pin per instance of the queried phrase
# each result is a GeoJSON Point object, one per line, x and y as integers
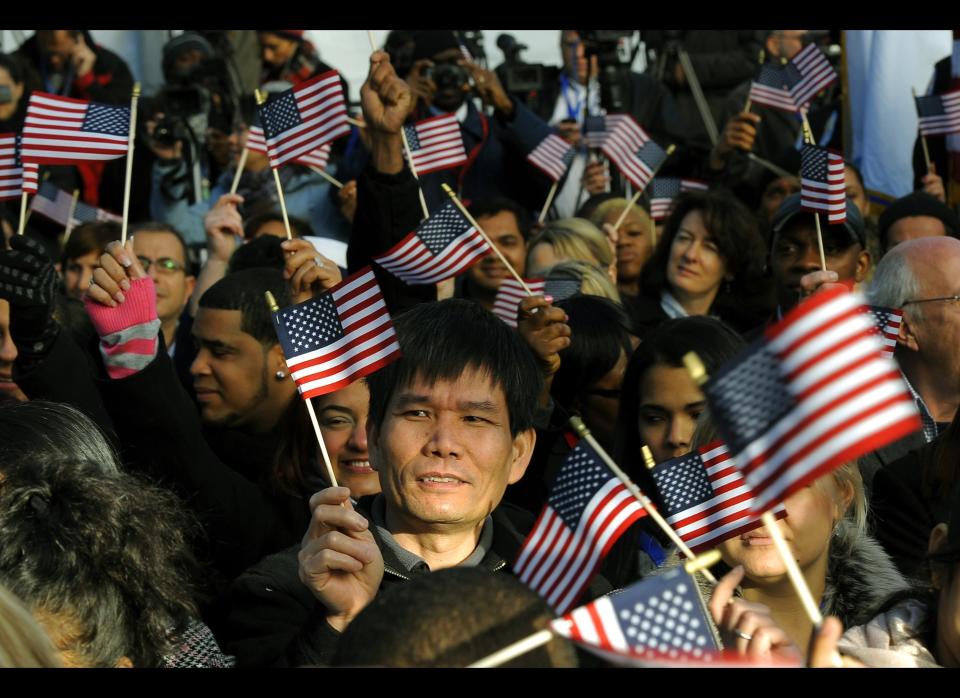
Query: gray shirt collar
{"type": "Point", "coordinates": [412, 563]}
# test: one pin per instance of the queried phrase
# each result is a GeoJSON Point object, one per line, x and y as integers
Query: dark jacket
{"type": "Point", "coordinates": [940, 157]}
{"type": "Point", "coordinates": [275, 619]}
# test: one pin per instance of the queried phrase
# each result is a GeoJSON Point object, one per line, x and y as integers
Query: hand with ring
{"type": "Point", "coordinates": [308, 272]}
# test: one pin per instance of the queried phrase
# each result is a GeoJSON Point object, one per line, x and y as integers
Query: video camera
{"type": "Point", "coordinates": [518, 76]}
{"type": "Point", "coordinates": [614, 77]}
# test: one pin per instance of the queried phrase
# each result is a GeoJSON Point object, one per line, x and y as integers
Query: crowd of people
{"type": "Point", "coordinates": [163, 498]}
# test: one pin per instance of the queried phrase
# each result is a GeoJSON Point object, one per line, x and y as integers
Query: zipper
{"type": "Point", "coordinates": [395, 573]}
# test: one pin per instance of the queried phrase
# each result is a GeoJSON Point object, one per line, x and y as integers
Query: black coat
{"type": "Point", "coordinates": [275, 619]}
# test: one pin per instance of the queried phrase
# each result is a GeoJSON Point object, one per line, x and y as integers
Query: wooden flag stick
{"type": "Point", "coordinates": [699, 375]}
{"type": "Point", "coordinates": [496, 249]}
{"type": "Point", "coordinates": [923, 139]}
{"type": "Point", "coordinates": [413, 171]}
{"type": "Point", "coordinates": [633, 199]}
{"type": "Point", "coordinates": [73, 208]}
{"type": "Point", "coordinates": [373, 44]}
{"type": "Point", "coordinates": [274, 308]}
{"type": "Point", "coordinates": [746, 107]}
{"type": "Point", "coordinates": [23, 213]}
{"type": "Point", "coordinates": [583, 432]}
{"type": "Point", "coordinates": [261, 98]}
{"type": "Point", "coordinates": [240, 166]}
{"type": "Point", "coordinates": [354, 122]}
{"type": "Point", "coordinates": [532, 642]}
{"type": "Point", "coordinates": [126, 185]}
{"type": "Point", "coordinates": [333, 180]}
{"type": "Point", "coordinates": [808, 138]}
{"type": "Point", "coordinates": [548, 202]}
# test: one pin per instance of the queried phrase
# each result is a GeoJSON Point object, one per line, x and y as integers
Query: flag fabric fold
{"type": "Point", "coordinates": [814, 392]}
{"type": "Point", "coordinates": [338, 337]}
{"type": "Point", "coordinates": [627, 145]}
{"type": "Point", "coordinates": [771, 87]}
{"type": "Point", "coordinates": [61, 130]}
{"type": "Point", "coordinates": [587, 511]}
{"type": "Point", "coordinates": [939, 114]}
{"type": "Point", "coordinates": [663, 190]}
{"type": "Point", "coordinates": [303, 118]}
{"type": "Point", "coordinates": [545, 150]}
{"type": "Point", "coordinates": [436, 144]}
{"type": "Point", "coordinates": [318, 157]}
{"type": "Point", "coordinates": [506, 305]}
{"type": "Point", "coordinates": [823, 187]}
{"type": "Point", "coordinates": [15, 176]}
{"type": "Point", "coordinates": [444, 245]}
{"type": "Point", "coordinates": [815, 72]}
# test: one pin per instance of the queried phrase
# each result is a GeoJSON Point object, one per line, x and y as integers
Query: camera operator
{"type": "Point", "coordinates": [564, 98]}
{"type": "Point", "coordinates": [440, 79]}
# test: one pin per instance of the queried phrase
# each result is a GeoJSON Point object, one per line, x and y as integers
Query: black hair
{"type": "Point", "coordinates": [590, 205]}
{"type": "Point", "coordinates": [259, 253]}
{"type": "Point", "coordinates": [244, 291]}
{"type": "Point", "coordinates": [497, 204]}
{"type": "Point", "coordinates": [90, 237]}
{"type": "Point", "coordinates": [439, 341]}
{"type": "Point", "coordinates": [714, 341]}
{"type": "Point", "coordinates": [599, 333]}
{"type": "Point", "coordinates": [298, 227]}
{"type": "Point", "coordinates": [450, 618]}
{"type": "Point", "coordinates": [746, 298]}
{"type": "Point", "coordinates": [105, 556]}
{"type": "Point", "coordinates": [158, 227]}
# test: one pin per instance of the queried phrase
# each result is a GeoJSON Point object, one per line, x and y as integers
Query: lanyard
{"type": "Point", "coordinates": [573, 109]}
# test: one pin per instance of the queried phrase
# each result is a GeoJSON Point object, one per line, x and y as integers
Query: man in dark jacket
{"type": "Point", "coordinates": [450, 426]}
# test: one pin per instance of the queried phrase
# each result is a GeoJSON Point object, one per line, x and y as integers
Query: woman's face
{"type": "Point", "coordinates": [343, 422]}
{"type": "Point", "coordinates": [856, 191]}
{"type": "Point", "coordinates": [8, 109]}
{"type": "Point", "coordinates": [695, 267]}
{"type": "Point", "coordinates": [634, 245]}
{"type": "Point", "coordinates": [670, 404]}
{"type": "Point", "coordinates": [811, 515]}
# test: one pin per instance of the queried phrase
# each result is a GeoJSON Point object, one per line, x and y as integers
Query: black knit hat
{"type": "Point", "coordinates": [792, 207]}
{"type": "Point", "coordinates": [428, 43]}
{"type": "Point", "coordinates": [919, 203]}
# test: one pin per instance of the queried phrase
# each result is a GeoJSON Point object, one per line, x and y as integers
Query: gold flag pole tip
{"type": "Point", "coordinates": [702, 562]}
{"type": "Point", "coordinates": [271, 301]}
{"type": "Point", "coordinates": [695, 367]}
{"type": "Point", "coordinates": [648, 457]}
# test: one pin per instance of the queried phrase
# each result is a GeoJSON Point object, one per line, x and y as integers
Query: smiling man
{"type": "Point", "coordinates": [507, 226]}
{"type": "Point", "coordinates": [450, 426]}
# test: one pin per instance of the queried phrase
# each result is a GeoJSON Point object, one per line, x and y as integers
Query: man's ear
{"type": "Point", "coordinates": [275, 359]}
{"type": "Point", "coordinates": [863, 266]}
{"type": "Point", "coordinates": [373, 444]}
{"type": "Point", "coordinates": [190, 283]}
{"type": "Point", "coordinates": [938, 539]}
{"type": "Point", "coordinates": [907, 336]}
{"type": "Point", "coordinates": [523, 444]}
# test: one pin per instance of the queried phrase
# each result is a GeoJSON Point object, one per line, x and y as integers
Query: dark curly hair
{"type": "Point", "coordinates": [747, 299]}
{"type": "Point", "coordinates": [104, 556]}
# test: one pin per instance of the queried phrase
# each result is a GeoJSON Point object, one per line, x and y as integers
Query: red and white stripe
{"type": "Point", "coordinates": [52, 135]}
{"type": "Point", "coordinates": [816, 71]}
{"type": "Point", "coordinates": [256, 141]}
{"type": "Point", "coordinates": [323, 117]}
{"type": "Point", "coordinates": [368, 343]}
{"type": "Point", "coordinates": [318, 158]}
{"type": "Point", "coordinates": [549, 156]}
{"type": "Point", "coordinates": [889, 330]}
{"type": "Point", "coordinates": [624, 138]}
{"type": "Point", "coordinates": [850, 397]}
{"type": "Point", "coordinates": [558, 563]}
{"type": "Point", "coordinates": [507, 303]}
{"type": "Point", "coordinates": [831, 198]}
{"type": "Point", "coordinates": [11, 174]}
{"type": "Point", "coordinates": [948, 122]}
{"type": "Point", "coordinates": [777, 98]}
{"type": "Point", "coordinates": [411, 261]}
{"type": "Point", "coordinates": [441, 144]}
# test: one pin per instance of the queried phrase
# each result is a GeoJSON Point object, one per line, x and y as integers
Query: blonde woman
{"type": "Point", "coordinates": [593, 282]}
{"type": "Point", "coordinates": [566, 239]}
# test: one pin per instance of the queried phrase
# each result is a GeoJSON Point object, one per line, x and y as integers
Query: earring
{"type": "Point", "coordinates": [280, 375]}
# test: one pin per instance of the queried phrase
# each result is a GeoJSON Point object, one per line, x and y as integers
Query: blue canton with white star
{"type": "Point", "coordinates": [665, 188]}
{"type": "Point", "coordinates": [931, 105]}
{"type": "Point", "coordinates": [561, 288]}
{"type": "Point", "coordinates": [309, 326]}
{"type": "Point", "coordinates": [748, 395]}
{"type": "Point", "coordinates": [664, 613]}
{"type": "Point", "coordinates": [813, 163]}
{"type": "Point", "coordinates": [580, 478]}
{"type": "Point", "coordinates": [442, 228]}
{"type": "Point", "coordinates": [651, 155]}
{"type": "Point", "coordinates": [413, 140]}
{"type": "Point", "coordinates": [683, 483]}
{"type": "Point", "coordinates": [280, 114]}
{"type": "Point", "coordinates": [102, 118]}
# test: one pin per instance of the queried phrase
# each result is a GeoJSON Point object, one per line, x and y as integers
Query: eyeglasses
{"type": "Point", "coordinates": [165, 265]}
{"type": "Point", "coordinates": [953, 299]}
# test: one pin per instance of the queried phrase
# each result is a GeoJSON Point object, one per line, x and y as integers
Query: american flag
{"type": "Point", "coordinates": [340, 336]}
{"type": "Point", "coordinates": [60, 130]}
{"type": "Point", "coordinates": [318, 157]}
{"type": "Point", "coordinates": [661, 617]}
{"type": "Point", "coordinates": [663, 190]}
{"type": "Point", "coordinates": [772, 87]}
{"type": "Point", "coordinates": [587, 510]}
{"type": "Point", "coordinates": [303, 118]}
{"type": "Point", "coordinates": [887, 325]}
{"type": "Point", "coordinates": [15, 177]}
{"type": "Point", "coordinates": [823, 184]}
{"type": "Point", "coordinates": [815, 392]}
{"type": "Point", "coordinates": [444, 245]}
{"type": "Point", "coordinates": [939, 114]}
{"type": "Point", "coordinates": [625, 142]}
{"type": "Point", "coordinates": [507, 303]}
{"type": "Point", "coordinates": [54, 203]}
{"type": "Point", "coordinates": [597, 130]}
{"type": "Point", "coordinates": [640, 166]}
{"type": "Point", "coordinates": [706, 500]}
{"type": "Point", "coordinates": [436, 144]}
{"type": "Point", "coordinates": [545, 150]}
{"type": "Point", "coordinates": [815, 71]}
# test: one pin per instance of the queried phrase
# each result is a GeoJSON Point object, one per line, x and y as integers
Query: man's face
{"type": "Point", "coordinates": [445, 453]}
{"type": "Point", "coordinates": [57, 45]}
{"type": "Point", "coordinates": [786, 43]}
{"type": "Point", "coordinates": [504, 232]}
{"type": "Point", "coordinates": [174, 286]}
{"type": "Point", "coordinates": [912, 228]}
{"type": "Point", "coordinates": [8, 354]}
{"type": "Point", "coordinates": [449, 97]}
{"type": "Point", "coordinates": [276, 50]}
{"type": "Point", "coordinates": [778, 190]}
{"type": "Point", "coordinates": [575, 61]}
{"type": "Point", "coordinates": [230, 373]}
{"type": "Point", "coordinates": [938, 330]}
{"type": "Point", "coordinates": [78, 272]}
{"type": "Point", "coordinates": [795, 252]}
